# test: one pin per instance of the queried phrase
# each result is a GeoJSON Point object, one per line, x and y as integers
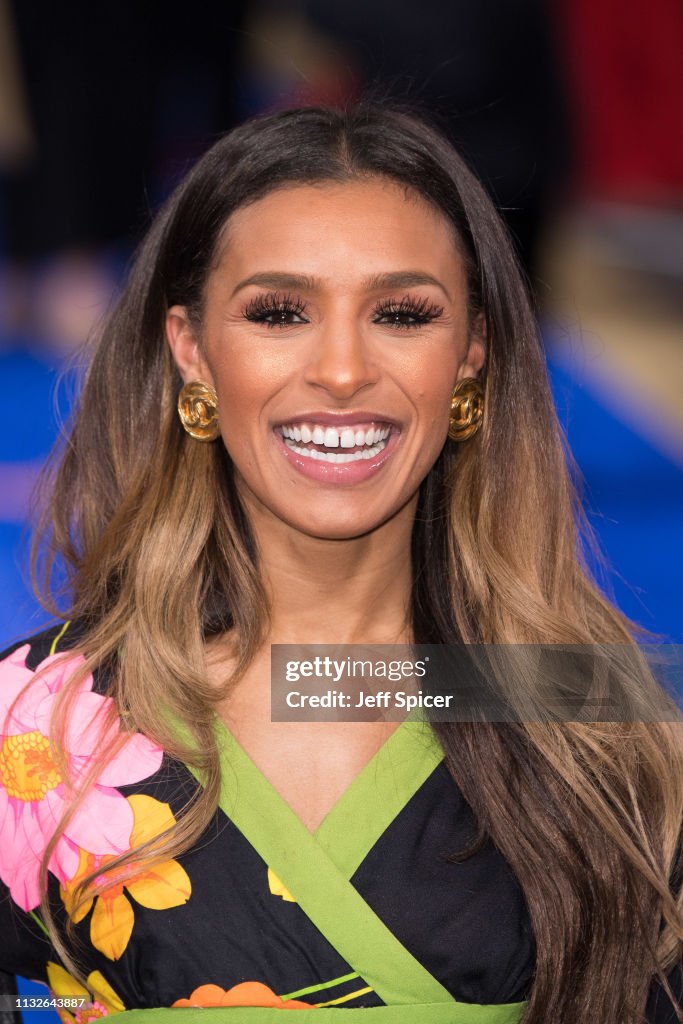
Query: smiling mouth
{"type": "Point", "coordinates": [324, 443]}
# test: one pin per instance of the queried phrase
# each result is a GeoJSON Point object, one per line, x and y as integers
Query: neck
{"type": "Point", "coordinates": [354, 590]}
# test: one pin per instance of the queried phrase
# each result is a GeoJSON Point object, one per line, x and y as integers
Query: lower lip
{"type": "Point", "coordinates": [338, 472]}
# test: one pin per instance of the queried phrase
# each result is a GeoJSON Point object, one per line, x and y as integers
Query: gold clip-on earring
{"type": "Point", "coordinates": [198, 410]}
{"type": "Point", "coordinates": [467, 409]}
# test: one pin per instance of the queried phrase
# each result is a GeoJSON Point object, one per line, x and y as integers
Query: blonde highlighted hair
{"type": "Point", "coordinates": [588, 816]}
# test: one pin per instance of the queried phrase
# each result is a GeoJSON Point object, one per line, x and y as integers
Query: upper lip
{"type": "Point", "coordinates": [338, 419]}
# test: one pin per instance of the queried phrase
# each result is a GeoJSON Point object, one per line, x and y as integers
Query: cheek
{"type": "Point", "coordinates": [433, 399]}
{"type": "Point", "coordinates": [427, 369]}
{"type": "Point", "coordinates": [433, 405]}
{"type": "Point", "coordinates": [243, 385]}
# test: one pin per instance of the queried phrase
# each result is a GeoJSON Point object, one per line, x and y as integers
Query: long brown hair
{"type": "Point", "coordinates": [588, 816]}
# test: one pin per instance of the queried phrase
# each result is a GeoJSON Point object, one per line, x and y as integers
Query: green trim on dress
{"type": "Point", "coordinates": [316, 869]}
{"type": "Point", "coordinates": [414, 1013]}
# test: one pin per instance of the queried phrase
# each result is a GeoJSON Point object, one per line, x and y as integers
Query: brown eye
{"type": "Point", "coordinates": [408, 313]}
{"type": "Point", "coordinates": [275, 311]}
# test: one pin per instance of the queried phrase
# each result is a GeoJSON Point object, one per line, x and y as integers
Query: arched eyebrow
{"type": "Point", "coordinates": [378, 282]}
{"type": "Point", "coordinates": [275, 279]}
{"type": "Point", "coordinates": [403, 279]}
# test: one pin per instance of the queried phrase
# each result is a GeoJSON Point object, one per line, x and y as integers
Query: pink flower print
{"type": "Point", "coordinates": [33, 795]}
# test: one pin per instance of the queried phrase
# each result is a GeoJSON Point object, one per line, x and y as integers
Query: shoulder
{"type": "Point", "coordinates": [38, 664]}
{"type": "Point", "coordinates": [38, 788]}
{"type": "Point", "coordinates": [35, 648]}
{"type": "Point", "coordinates": [34, 673]}
{"type": "Point", "coordinates": [50, 656]}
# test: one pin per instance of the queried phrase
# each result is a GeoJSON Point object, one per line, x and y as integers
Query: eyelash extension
{"type": "Point", "coordinates": [274, 304]}
{"type": "Point", "coordinates": [421, 310]}
{"type": "Point", "coordinates": [271, 304]}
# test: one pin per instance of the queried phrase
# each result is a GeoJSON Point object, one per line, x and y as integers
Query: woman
{"type": "Point", "coordinates": [320, 414]}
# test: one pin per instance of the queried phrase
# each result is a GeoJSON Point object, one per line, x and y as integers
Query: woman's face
{"type": "Point", "coordinates": [335, 329]}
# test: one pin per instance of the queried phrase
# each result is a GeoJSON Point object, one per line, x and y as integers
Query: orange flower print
{"type": "Point", "coordinates": [247, 993]}
{"type": "Point", "coordinates": [99, 993]}
{"type": "Point", "coordinates": [157, 887]}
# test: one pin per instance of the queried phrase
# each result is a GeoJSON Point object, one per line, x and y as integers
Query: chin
{"type": "Point", "coordinates": [336, 529]}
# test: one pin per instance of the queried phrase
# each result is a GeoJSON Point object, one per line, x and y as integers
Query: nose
{"type": "Point", "coordinates": [341, 362]}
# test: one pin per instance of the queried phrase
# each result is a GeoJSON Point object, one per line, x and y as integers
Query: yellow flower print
{"type": "Point", "coordinates": [157, 887]}
{"type": "Point", "coordinates": [99, 992]}
{"type": "Point", "coordinates": [278, 888]}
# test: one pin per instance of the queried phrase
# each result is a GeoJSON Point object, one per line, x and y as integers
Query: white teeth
{"type": "Point", "coordinates": [335, 457]}
{"type": "Point", "coordinates": [331, 437]}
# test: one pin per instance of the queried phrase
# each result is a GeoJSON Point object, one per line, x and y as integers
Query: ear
{"type": "Point", "coordinates": [475, 356]}
{"type": "Point", "coordinates": [184, 344]}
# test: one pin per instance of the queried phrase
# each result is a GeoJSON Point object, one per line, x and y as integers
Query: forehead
{"type": "Point", "coordinates": [339, 231]}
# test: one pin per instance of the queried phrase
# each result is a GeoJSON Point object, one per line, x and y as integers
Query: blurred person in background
{"type": "Point", "coordinates": [492, 72]}
{"type": "Point", "coordinates": [119, 101]}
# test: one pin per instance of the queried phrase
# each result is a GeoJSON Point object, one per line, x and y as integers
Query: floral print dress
{"type": "Point", "coordinates": [368, 914]}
